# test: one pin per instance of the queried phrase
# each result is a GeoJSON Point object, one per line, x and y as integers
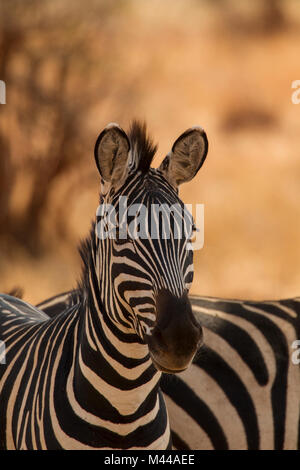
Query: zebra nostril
{"type": "Point", "coordinates": [157, 341]}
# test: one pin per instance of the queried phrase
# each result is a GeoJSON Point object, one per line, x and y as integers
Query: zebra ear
{"type": "Point", "coordinates": [111, 154]}
{"type": "Point", "coordinates": [186, 157]}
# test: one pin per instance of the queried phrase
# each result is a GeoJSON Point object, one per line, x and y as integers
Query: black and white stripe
{"type": "Point", "coordinates": [88, 378]}
{"type": "Point", "coordinates": [243, 389]}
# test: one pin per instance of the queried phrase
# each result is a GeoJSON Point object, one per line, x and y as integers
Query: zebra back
{"type": "Point", "coordinates": [243, 389]}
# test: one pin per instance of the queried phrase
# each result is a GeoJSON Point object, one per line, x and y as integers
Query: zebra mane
{"type": "Point", "coordinates": [85, 251]}
{"type": "Point", "coordinates": [142, 145]}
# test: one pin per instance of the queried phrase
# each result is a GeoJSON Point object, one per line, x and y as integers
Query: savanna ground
{"type": "Point", "coordinates": [72, 67]}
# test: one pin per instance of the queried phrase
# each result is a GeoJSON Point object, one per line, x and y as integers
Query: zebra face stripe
{"type": "Point", "coordinates": [143, 248]}
{"type": "Point", "coordinates": [141, 267]}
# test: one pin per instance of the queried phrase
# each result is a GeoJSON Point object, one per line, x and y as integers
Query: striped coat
{"type": "Point", "coordinates": [243, 388]}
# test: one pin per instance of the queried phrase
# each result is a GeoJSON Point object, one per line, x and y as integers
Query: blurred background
{"type": "Point", "coordinates": [70, 67]}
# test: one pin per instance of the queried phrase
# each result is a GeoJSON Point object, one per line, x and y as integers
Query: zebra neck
{"type": "Point", "coordinates": [118, 395]}
{"type": "Point", "coordinates": [114, 380]}
{"type": "Point", "coordinates": [113, 366]}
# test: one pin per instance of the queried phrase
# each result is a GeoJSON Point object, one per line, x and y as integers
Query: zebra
{"type": "Point", "coordinates": [89, 377]}
{"type": "Point", "coordinates": [243, 389]}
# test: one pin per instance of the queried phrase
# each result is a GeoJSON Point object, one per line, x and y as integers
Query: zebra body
{"type": "Point", "coordinates": [88, 378]}
{"type": "Point", "coordinates": [243, 389]}
{"type": "Point", "coordinates": [40, 386]}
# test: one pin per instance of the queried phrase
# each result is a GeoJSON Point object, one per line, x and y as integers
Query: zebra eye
{"type": "Point", "coordinates": [193, 230]}
{"type": "Point", "coordinates": [122, 237]}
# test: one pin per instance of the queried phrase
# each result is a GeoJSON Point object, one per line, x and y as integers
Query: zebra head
{"type": "Point", "coordinates": [143, 233]}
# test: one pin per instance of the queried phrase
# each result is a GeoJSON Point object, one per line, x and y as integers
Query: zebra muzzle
{"type": "Point", "coordinates": [176, 336]}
